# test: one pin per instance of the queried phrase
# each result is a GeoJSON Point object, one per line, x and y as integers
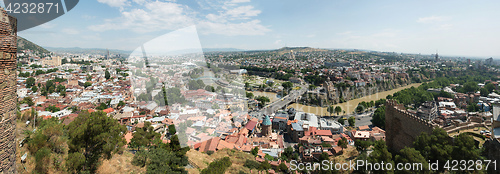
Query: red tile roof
{"type": "Point", "coordinates": [251, 125]}
{"type": "Point", "coordinates": [109, 110]}
{"type": "Point", "coordinates": [209, 145]}
{"type": "Point", "coordinates": [323, 132]}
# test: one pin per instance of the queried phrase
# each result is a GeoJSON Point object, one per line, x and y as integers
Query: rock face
{"type": "Point", "coordinates": [8, 97]}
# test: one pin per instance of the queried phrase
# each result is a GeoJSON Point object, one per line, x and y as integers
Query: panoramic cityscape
{"type": "Point", "coordinates": [186, 97]}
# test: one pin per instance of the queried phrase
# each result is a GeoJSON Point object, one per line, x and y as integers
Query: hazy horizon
{"type": "Point", "coordinates": [455, 28]}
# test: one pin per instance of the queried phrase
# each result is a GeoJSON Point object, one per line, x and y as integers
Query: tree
{"type": "Point", "coordinates": [484, 92]}
{"type": "Point", "coordinates": [323, 156]}
{"type": "Point", "coordinates": [352, 121]}
{"type": "Point", "coordinates": [107, 75]}
{"type": "Point", "coordinates": [210, 88]}
{"type": "Point", "coordinates": [121, 103]}
{"type": "Point", "coordinates": [249, 95]}
{"type": "Point", "coordinates": [63, 93]}
{"type": "Point", "coordinates": [60, 88]}
{"type": "Point", "coordinates": [380, 154]}
{"type": "Point", "coordinates": [342, 120]}
{"type": "Point", "coordinates": [47, 139]}
{"type": "Point", "coordinates": [331, 110]}
{"type": "Point", "coordinates": [263, 100]}
{"type": "Point", "coordinates": [171, 129]}
{"type": "Point", "coordinates": [140, 158]}
{"type": "Point", "coordinates": [89, 77]}
{"type": "Point", "coordinates": [360, 108]}
{"type": "Point", "coordinates": [469, 87]}
{"type": "Point", "coordinates": [287, 85]}
{"type": "Point", "coordinates": [162, 160]}
{"type": "Point", "coordinates": [28, 101]}
{"type": "Point", "coordinates": [342, 143]}
{"type": "Point", "coordinates": [30, 82]}
{"type": "Point", "coordinates": [379, 103]}
{"type": "Point", "coordinates": [196, 84]}
{"type": "Point", "coordinates": [42, 158]}
{"type": "Point", "coordinates": [251, 164]}
{"type": "Point", "coordinates": [218, 166]}
{"type": "Point", "coordinates": [434, 147]}
{"type": "Point", "coordinates": [34, 88]}
{"type": "Point", "coordinates": [52, 108]}
{"type": "Point", "coordinates": [361, 145]}
{"type": "Point", "coordinates": [215, 106]}
{"type": "Point", "coordinates": [92, 136]}
{"type": "Point", "coordinates": [490, 87]}
{"type": "Point", "coordinates": [379, 117]}
{"type": "Point", "coordinates": [87, 84]}
{"type": "Point", "coordinates": [255, 150]}
{"type": "Point", "coordinates": [265, 165]}
{"type": "Point", "coordinates": [410, 155]}
{"type": "Point", "coordinates": [283, 168]}
{"type": "Point", "coordinates": [338, 109]}
{"type": "Point", "coordinates": [287, 153]}
{"type": "Point", "coordinates": [102, 106]}
{"type": "Point", "coordinates": [143, 137]}
{"type": "Point", "coordinates": [473, 108]}
{"type": "Point", "coordinates": [465, 148]}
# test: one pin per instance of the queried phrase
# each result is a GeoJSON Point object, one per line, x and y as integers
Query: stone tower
{"type": "Point", "coordinates": [402, 127]}
{"type": "Point", "coordinates": [8, 96]}
{"type": "Point", "coordinates": [266, 126]}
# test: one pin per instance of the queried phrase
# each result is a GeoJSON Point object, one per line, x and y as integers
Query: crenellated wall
{"type": "Point", "coordinates": [403, 127]}
{"type": "Point", "coordinates": [8, 96]}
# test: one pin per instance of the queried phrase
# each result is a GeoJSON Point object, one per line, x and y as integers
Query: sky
{"type": "Point", "coordinates": [455, 28]}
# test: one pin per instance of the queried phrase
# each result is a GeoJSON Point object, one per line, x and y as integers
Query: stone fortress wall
{"type": "Point", "coordinates": [403, 127]}
{"type": "Point", "coordinates": [8, 96]}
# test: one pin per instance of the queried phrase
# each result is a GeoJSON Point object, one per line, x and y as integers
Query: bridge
{"type": "Point", "coordinates": [293, 96]}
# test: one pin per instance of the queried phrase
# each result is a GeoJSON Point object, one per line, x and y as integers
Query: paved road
{"type": "Point", "coordinates": [361, 119]}
{"type": "Point", "coordinates": [278, 104]}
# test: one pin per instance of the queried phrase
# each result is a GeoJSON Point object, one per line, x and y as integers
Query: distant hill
{"type": "Point", "coordinates": [286, 50]}
{"type": "Point", "coordinates": [298, 49]}
{"type": "Point", "coordinates": [23, 44]}
{"type": "Point", "coordinates": [222, 50]}
{"type": "Point", "coordinates": [78, 50]}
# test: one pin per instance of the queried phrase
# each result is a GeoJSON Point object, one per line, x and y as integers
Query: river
{"type": "Point", "coordinates": [348, 106]}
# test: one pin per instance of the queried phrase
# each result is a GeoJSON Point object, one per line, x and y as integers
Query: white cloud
{"type": "Point", "coordinates": [432, 19]}
{"type": "Point", "coordinates": [88, 17]}
{"type": "Point", "coordinates": [229, 19]}
{"type": "Point", "coordinates": [47, 25]}
{"type": "Point", "coordinates": [154, 17]}
{"type": "Point", "coordinates": [214, 17]}
{"type": "Point", "coordinates": [345, 33]}
{"type": "Point", "coordinates": [232, 29]}
{"type": "Point", "coordinates": [114, 3]}
{"type": "Point", "coordinates": [71, 31]}
{"type": "Point", "coordinates": [444, 27]}
{"type": "Point", "coordinates": [385, 34]}
{"type": "Point", "coordinates": [310, 35]}
{"type": "Point", "coordinates": [239, 1]}
{"type": "Point", "coordinates": [243, 12]}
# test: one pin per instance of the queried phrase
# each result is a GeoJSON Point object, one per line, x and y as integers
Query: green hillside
{"type": "Point", "coordinates": [23, 44]}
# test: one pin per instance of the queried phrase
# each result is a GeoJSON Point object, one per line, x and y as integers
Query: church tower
{"type": "Point", "coordinates": [266, 126]}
